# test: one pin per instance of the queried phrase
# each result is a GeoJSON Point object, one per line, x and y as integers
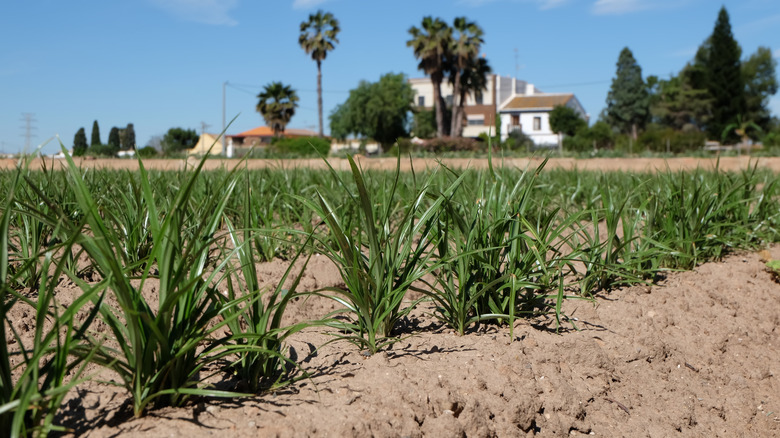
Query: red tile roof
{"type": "Point", "coordinates": [265, 131]}
{"type": "Point", "coordinates": [538, 101]}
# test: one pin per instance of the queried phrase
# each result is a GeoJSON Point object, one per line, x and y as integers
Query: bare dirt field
{"type": "Point", "coordinates": [696, 355]}
{"type": "Point", "coordinates": [599, 164]}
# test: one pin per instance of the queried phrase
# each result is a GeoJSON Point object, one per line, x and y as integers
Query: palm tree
{"type": "Point", "coordinates": [318, 37]}
{"type": "Point", "coordinates": [431, 45]}
{"type": "Point", "coordinates": [277, 105]}
{"type": "Point", "coordinates": [464, 49]}
{"type": "Point", "coordinates": [473, 80]}
{"type": "Point", "coordinates": [740, 128]}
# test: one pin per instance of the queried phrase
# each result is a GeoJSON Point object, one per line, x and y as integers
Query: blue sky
{"type": "Point", "coordinates": [162, 63]}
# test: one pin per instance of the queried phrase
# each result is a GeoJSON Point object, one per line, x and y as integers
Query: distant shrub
{"type": "Point", "coordinates": [101, 150]}
{"type": "Point", "coordinates": [577, 143]}
{"type": "Point", "coordinates": [452, 144]}
{"type": "Point", "coordinates": [404, 146]}
{"type": "Point", "coordinates": [657, 139]}
{"type": "Point", "coordinates": [300, 147]}
{"type": "Point", "coordinates": [598, 137]}
{"type": "Point", "coordinates": [771, 139]}
{"type": "Point", "coordinates": [519, 141]}
{"type": "Point", "coordinates": [147, 152]}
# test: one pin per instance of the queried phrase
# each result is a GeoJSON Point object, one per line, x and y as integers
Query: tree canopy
{"type": "Point", "coordinates": [463, 53]}
{"type": "Point", "coordinates": [377, 110]}
{"type": "Point", "coordinates": [319, 35]}
{"type": "Point", "coordinates": [277, 103]}
{"type": "Point", "coordinates": [716, 89]}
{"type": "Point", "coordinates": [114, 142]}
{"type": "Point", "coordinates": [564, 119]}
{"type": "Point", "coordinates": [129, 137]}
{"type": "Point", "coordinates": [760, 76]}
{"type": "Point", "coordinates": [628, 102]}
{"type": "Point", "coordinates": [452, 53]}
{"type": "Point", "coordinates": [723, 76]}
{"type": "Point", "coordinates": [95, 141]}
{"type": "Point", "coordinates": [431, 44]}
{"type": "Point", "coordinates": [80, 143]}
{"type": "Point", "coordinates": [677, 103]}
{"type": "Point", "coordinates": [178, 139]}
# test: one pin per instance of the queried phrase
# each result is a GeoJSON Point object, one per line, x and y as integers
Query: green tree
{"type": "Point", "coordinates": [277, 106]}
{"type": "Point", "coordinates": [723, 77]}
{"type": "Point", "coordinates": [80, 143]}
{"type": "Point", "coordinates": [564, 119]}
{"type": "Point", "coordinates": [129, 137]}
{"type": "Point", "coordinates": [378, 110]}
{"type": "Point", "coordinates": [178, 139]}
{"type": "Point", "coordinates": [114, 141]}
{"type": "Point", "coordinates": [318, 37]}
{"type": "Point", "coordinates": [464, 49]}
{"type": "Point", "coordinates": [95, 134]}
{"type": "Point", "coordinates": [424, 123]}
{"type": "Point", "coordinates": [759, 74]}
{"type": "Point", "coordinates": [628, 101]}
{"type": "Point", "coordinates": [431, 44]}
{"type": "Point", "coordinates": [676, 103]}
{"type": "Point", "coordinates": [741, 127]}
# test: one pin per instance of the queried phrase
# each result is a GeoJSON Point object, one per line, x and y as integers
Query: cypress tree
{"type": "Point", "coordinates": [95, 135]}
{"type": "Point", "coordinates": [79, 143]}
{"type": "Point", "coordinates": [628, 102]}
{"type": "Point", "coordinates": [723, 77]}
{"type": "Point", "coordinates": [113, 139]}
{"type": "Point", "coordinates": [129, 137]}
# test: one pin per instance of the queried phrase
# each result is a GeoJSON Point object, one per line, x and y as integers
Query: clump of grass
{"type": "Point", "coordinates": [256, 324]}
{"type": "Point", "coordinates": [379, 258]}
{"type": "Point", "coordinates": [160, 353]}
{"type": "Point", "coordinates": [47, 369]}
{"type": "Point", "coordinates": [773, 266]}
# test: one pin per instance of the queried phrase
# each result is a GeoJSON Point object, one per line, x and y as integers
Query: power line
{"type": "Point", "coordinates": [28, 119]}
{"type": "Point", "coordinates": [244, 88]}
{"type": "Point", "coordinates": [576, 84]}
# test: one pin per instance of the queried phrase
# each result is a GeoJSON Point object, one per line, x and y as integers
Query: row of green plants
{"type": "Point", "coordinates": [485, 247]}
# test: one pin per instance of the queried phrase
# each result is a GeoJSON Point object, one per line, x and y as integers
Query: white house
{"type": "Point", "coordinates": [530, 113]}
{"type": "Point", "coordinates": [519, 105]}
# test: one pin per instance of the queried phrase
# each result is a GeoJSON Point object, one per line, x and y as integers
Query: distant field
{"type": "Point", "coordinates": [607, 164]}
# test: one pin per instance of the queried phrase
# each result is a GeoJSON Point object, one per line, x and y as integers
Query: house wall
{"type": "Point", "coordinates": [486, 110]}
{"type": "Point", "coordinates": [205, 143]}
{"type": "Point", "coordinates": [424, 87]}
{"type": "Point", "coordinates": [500, 89]}
{"type": "Point", "coordinates": [540, 137]}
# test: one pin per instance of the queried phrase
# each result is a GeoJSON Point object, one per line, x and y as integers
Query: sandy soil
{"type": "Point", "coordinates": [696, 355]}
{"type": "Point", "coordinates": [606, 164]}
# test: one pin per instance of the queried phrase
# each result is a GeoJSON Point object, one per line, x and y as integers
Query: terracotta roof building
{"type": "Point", "coordinates": [518, 104]}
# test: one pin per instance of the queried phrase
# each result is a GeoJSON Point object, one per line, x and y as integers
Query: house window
{"type": "Point", "coordinates": [478, 99]}
{"type": "Point", "coordinates": [477, 121]}
{"type": "Point", "coordinates": [448, 99]}
{"type": "Point", "coordinates": [537, 123]}
{"type": "Point", "coordinates": [515, 119]}
{"type": "Point", "coordinates": [421, 101]}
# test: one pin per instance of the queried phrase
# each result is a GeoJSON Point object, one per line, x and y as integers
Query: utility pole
{"type": "Point", "coordinates": [28, 119]}
{"type": "Point", "coordinates": [222, 138]}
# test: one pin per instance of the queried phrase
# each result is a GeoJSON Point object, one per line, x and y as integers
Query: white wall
{"type": "Point", "coordinates": [424, 87]}
{"type": "Point", "coordinates": [543, 136]}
